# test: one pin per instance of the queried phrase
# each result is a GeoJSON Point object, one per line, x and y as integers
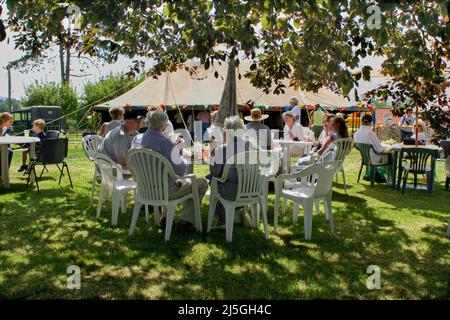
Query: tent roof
{"type": "Point", "coordinates": [203, 88]}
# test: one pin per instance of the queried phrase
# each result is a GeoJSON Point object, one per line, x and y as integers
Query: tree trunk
{"type": "Point", "coordinates": [61, 61]}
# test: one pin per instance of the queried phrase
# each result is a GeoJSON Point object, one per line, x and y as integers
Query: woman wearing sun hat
{"type": "Point", "coordinates": [258, 133]}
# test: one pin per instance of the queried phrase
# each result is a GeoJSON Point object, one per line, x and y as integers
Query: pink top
{"type": "Point", "coordinates": [204, 117]}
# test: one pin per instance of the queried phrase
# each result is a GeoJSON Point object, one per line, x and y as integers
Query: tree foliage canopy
{"type": "Point", "coordinates": [313, 43]}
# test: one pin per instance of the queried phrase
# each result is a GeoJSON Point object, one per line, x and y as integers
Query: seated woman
{"type": "Point", "coordinates": [38, 132]}
{"type": "Point", "coordinates": [422, 137]}
{"type": "Point", "coordinates": [327, 122]}
{"type": "Point", "coordinates": [6, 122]}
{"type": "Point", "coordinates": [339, 130]}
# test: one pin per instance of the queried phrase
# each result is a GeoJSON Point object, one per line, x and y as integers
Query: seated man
{"type": "Point", "coordinates": [155, 140]}
{"type": "Point", "coordinates": [37, 131]}
{"type": "Point", "coordinates": [118, 141]}
{"type": "Point", "coordinates": [366, 135]}
{"type": "Point", "coordinates": [234, 144]}
{"type": "Point", "coordinates": [168, 130]}
{"type": "Point", "coordinates": [258, 134]}
{"type": "Point", "coordinates": [116, 114]}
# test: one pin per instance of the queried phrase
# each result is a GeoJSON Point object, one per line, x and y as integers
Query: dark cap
{"type": "Point", "coordinates": [133, 114]}
{"type": "Point", "coordinates": [367, 118]}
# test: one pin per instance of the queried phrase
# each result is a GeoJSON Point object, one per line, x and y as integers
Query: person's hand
{"type": "Point", "coordinates": [179, 143]}
{"type": "Point", "coordinates": [121, 161]}
{"type": "Point", "coordinates": [315, 154]}
{"type": "Point", "coordinates": [290, 135]}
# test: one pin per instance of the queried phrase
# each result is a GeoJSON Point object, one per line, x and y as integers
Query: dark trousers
{"type": "Point", "coordinates": [10, 154]}
{"type": "Point", "coordinates": [406, 134]}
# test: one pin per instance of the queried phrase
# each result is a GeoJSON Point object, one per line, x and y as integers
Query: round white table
{"type": "Point", "coordinates": [286, 146]}
{"type": "Point", "coordinates": [4, 143]}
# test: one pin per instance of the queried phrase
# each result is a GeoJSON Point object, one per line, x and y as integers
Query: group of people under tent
{"type": "Point", "coordinates": [37, 131]}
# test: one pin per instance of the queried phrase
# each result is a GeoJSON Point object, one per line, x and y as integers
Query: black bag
{"type": "Point", "coordinates": [409, 141]}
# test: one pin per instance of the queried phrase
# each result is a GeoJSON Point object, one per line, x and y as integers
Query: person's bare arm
{"type": "Point", "coordinates": [102, 130]}
{"type": "Point", "coordinates": [326, 144]}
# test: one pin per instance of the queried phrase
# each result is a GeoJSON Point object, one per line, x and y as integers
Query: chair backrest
{"type": "Point", "coordinates": [364, 150]}
{"type": "Point", "coordinates": [327, 156]}
{"type": "Point", "coordinates": [342, 147]}
{"type": "Point", "coordinates": [110, 171]}
{"type": "Point", "coordinates": [324, 173]}
{"type": "Point", "coordinates": [151, 171]}
{"type": "Point", "coordinates": [445, 145]}
{"type": "Point", "coordinates": [418, 158]}
{"type": "Point", "coordinates": [53, 134]}
{"type": "Point", "coordinates": [250, 179]}
{"type": "Point", "coordinates": [269, 162]}
{"type": "Point", "coordinates": [53, 151]}
{"type": "Point", "coordinates": [91, 144]}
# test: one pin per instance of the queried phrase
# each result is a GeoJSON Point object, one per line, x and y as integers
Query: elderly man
{"type": "Point", "coordinates": [168, 131]}
{"type": "Point", "coordinates": [155, 140]}
{"type": "Point", "coordinates": [118, 141]}
{"type": "Point", "coordinates": [258, 133]}
{"type": "Point", "coordinates": [234, 144]}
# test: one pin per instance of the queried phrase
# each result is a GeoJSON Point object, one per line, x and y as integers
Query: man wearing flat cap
{"type": "Point", "coordinates": [118, 141]}
{"type": "Point", "coordinates": [258, 134]}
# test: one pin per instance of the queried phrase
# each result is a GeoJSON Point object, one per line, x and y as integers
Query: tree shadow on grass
{"type": "Point", "coordinates": [48, 231]}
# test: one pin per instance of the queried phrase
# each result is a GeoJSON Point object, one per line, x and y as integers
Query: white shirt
{"type": "Point", "coordinates": [297, 131]}
{"type": "Point", "coordinates": [297, 112]}
{"type": "Point", "coordinates": [422, 136]}
{"type": "Point", "coordinates": [366, 135]}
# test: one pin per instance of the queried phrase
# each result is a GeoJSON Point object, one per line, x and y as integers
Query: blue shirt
{"type": "Point", "coordinates": [117, 142]}
{"type": "Point", "coordinates": [156, 141]}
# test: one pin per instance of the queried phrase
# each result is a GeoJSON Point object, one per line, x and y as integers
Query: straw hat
{"type": "Point", "coordinates": [256, 115]}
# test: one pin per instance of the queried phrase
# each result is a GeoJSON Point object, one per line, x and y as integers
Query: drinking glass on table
{"type": "Point", "coordinates": [26, 133]}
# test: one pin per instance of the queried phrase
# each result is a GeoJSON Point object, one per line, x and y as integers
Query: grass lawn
{"type": "Point", "coordinates": [44, 233]}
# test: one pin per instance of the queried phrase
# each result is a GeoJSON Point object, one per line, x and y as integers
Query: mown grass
{"type": "Point", "coordinates": [44, 233]}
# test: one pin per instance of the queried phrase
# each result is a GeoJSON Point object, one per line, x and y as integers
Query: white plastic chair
{"type": "Point", "coordinates": [151, 172]}
{"type": "Point", "coordinates": [327, 156]}
{"type": "Point", "coordinates": [342, 147]}
{"type": "Point", "coordinates": [317, 182]}
{"type": "Point", "coordinates": [91, 144]}
{"type": "Point", "coordinates": [112, 181]}
{"type": "Point", "coordinates": [250, 191]}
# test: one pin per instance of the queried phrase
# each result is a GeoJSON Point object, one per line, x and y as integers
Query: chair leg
{"type": "Point", "coordinates": [415, 181]}
{"type": "Point", "coordinates": [255, 216]}
{"type": "Point", "coordinates": [372, 178]}
{"type": "Point", "coordinates": [100, 201]}
{"type": "Point", "coordinates": [343, 180]}
{"type": "Point", "coordinates": [42, 172]}
{"type": "Point", "coordinates": [115, 206]}
{"type": "Point", "coordinates": [124, 202]}
{"type": "Point", "coordinates": [229, 220]}
{"type": "Point", "coordinates": [295, 208]}
{"type": "Point", "coordinates": [360, 170]}
{"type": "Point", "coordinates": [405, 179]}
{"type": "Point", "coordinates": [447, 183]}
{"type": "Point", "coordinates": [308, 216]}
{"type": "Point", "coordinates": [156, 215]}
{"type": "Point", "coordinates": [284, 206]}
{"type": "Point", "coordinates": [264, 216]}
{"type": "Point", "coordinates": [448, 228]}
{"type": "Point", "coordinates": [36, 179]}
{"type": "Point", "coordinates": [197, 212]}
{"type": "Point", "coordinates": [429, 180]}
{"type": "Point", "coordinates": [329, 213]}
{"type": "Point", "coordinates": [276, 209]}
{"type": "Point", "coordinates": [68, 173]}
{"type": "Point", "coordinates": [146, 212]}
{"type": "Point", "coordinates": [94, 181]}
{"type": "Point", "coordinates": [169, 220]}
{"type": "Point", "coordinates": [317, 206]}
{"type": "Point", "coordinates": [212, 209]}
{"type": "Point", "coordinates": [134, 219]}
